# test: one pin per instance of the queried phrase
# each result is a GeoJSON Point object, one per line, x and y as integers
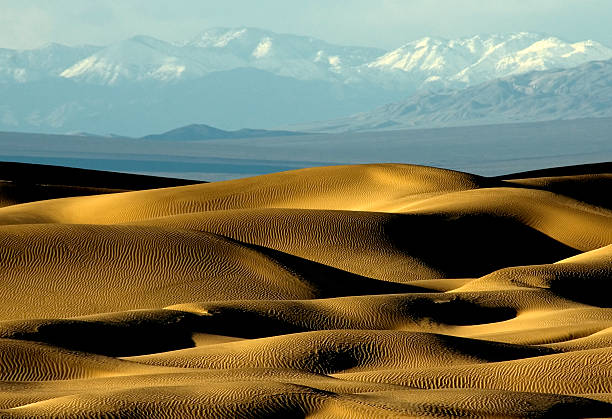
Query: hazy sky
{"type": "Point", "coordinates": [382, 23]}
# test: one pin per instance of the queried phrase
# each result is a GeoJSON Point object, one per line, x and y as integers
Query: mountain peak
{"type": "Point", "coordinates": [483, 57]}
{"type": "Point", "coordinates": [195, 132]}
{"type": "Point", "coordinates": [221, 37]}
{"type": "Point", "coordinates": [353, 76]}
{"type": "Point", "coordinates": [534, 96]}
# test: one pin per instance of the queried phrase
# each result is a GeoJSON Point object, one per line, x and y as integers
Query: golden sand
{"type": "Point", "coordinates": [351, 291]}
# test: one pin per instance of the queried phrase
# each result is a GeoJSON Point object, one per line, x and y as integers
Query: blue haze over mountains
{"type": "Point", "coordinates": [581, 92]}
{"type": "Point", "coordinates": [245, 77]}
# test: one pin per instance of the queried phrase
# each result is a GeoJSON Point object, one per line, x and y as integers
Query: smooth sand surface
{"type": "Point", "coordinates": [351, 291]}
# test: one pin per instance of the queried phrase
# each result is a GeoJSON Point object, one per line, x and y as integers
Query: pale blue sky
{"type": "Point", "coordinates": [381, 23]}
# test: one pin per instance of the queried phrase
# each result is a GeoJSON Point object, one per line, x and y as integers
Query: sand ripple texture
{"type": "Point", "coordinates": [351, 291]}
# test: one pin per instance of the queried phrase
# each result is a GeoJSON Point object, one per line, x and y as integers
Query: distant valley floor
{"type": "Point", "coordinates": [486, 150]}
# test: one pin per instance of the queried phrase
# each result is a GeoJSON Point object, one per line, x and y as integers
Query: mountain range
{"type": "Point", "coordinates": [584, 91]}
{"type": "Point", "coordinates": [236, 77]}
{"type": "Point", "coordinates": [196, 132]}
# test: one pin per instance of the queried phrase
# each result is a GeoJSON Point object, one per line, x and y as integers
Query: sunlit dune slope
{"type": "Point", "coordinates": [29, 361]}
{"type": "Point", "coordinates": [365, 187]}
{"type": "Point", "coordinates": [64, 270]}
{"type": "Point", "coordinates": [326, 352]}
{"type": "Point", "coordinates": [232, 398]}
{"type": "Point", "coordinates": [350, 291]}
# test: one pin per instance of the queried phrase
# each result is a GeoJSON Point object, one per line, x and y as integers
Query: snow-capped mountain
{"type": "Point", "coordinates": [51, 60]}
{"type": "Point", "coordinates": [140, 58]}
{"type": "Point", "coordinates": [424, 63]}
{"type": "Point", "coordinates": [294, 56]}
{"type": "Point", "coordinates": [236, 77]}
{"type": "Point", "coordinates": [437, 62]}
{"type": "Point", "coordinates": [221, 49]}
{"type": "Point", "coordinates": [579, 92]}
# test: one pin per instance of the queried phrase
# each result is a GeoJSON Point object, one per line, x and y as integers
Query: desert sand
{"type": "Point", "coordinates": [363, 291]}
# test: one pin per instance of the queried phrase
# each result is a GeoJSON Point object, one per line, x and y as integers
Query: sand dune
{"type": "Point", "coordinates": [393, 247]}
{"type": "Point", "coordinates": [67, 270]}
{"type": "Point", "coordinates": [575, 224]}
{"type": "Point", "coordinates": [21, 182]}
{"type": "Point", "coordinates": [349, 291]}
{"type": "Point", "coordinates": [365, 187]}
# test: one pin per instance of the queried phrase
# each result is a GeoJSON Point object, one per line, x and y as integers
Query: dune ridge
{"type": "Point", "coordinates": [359, 291]}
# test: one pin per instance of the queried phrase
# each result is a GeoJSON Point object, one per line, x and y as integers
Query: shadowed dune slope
{"type": "Point", "coordinates": [393, 247]}
{"type": "Point", "coordinates": [563, 171]}
{"type": "Point", "coordinates": [13, 193]}
{"type": "Point", "coordinates": [576, 224]}
{"type": "Point", "coordinates": [350, 291]}
{"type": "Point", "coordinates": [585, 188]}
{"type": "Point", "coordinates": [22, 182]}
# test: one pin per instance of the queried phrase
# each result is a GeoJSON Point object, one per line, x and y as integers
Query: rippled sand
{"type": "Point", "coordinates": [349, 291]}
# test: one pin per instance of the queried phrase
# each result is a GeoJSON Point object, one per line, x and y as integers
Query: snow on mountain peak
{"type": "Point", "coordinates": [422, 43]}
{"type": "Point", "coordinates": [334, 61]}
{"type": "Point", "coordinates": [137, 58]}
{"type": "Point", "coordinates": [48, 61]}
{"type": "Point", "coordinates": [426, 62]}
{"type": "Point", "coordinates": [263, 48]}
{"type": "Point", "coordinates": [483, 57]}
{"type": "Point", "coordinates": [219, 49]}
{"type": "Point", "coordinates": [218, 37]}
{"type": "Point", "coordinates": [348, 78]}
{"type": "Point", "coordinates": [241, 39]}
{"type": "Point", "coordinates": [589, 46]}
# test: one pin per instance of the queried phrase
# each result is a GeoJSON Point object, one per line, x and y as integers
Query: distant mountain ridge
{"type": "Point", "coordinates": [580, 92]}
{"type": "Point", "coordinates": [468, 61]}
{"type": "Point", "coordinates": [195, 132]}
{"type": "Point", "coordinates": [143, 58]}
{"type": "Point", "coordinates": [427, 61]}
{"type": "Point", "coordinates": [127, 87]}
{"type": "Point", "coordinates": [49, 61]}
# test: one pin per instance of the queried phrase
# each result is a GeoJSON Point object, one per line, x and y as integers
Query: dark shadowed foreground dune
{"type": "Point", "coordinates": [348, 291]}
{"type": "Point", "coordinates": [21, 182]}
